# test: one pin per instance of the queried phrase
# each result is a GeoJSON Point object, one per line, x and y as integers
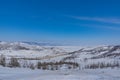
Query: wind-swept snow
{"type": "Point", "coordinates": [27, 74]}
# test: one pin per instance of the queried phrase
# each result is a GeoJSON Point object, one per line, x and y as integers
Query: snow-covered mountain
{"type": "Point", "coordinates": [42, 43]}
{"type": "Point", "coordinates": [34, 53]}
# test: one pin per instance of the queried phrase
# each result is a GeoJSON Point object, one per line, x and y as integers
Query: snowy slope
{"type": "Point", "coordinates": [81, 55]}
{"type": "Point", "coordinates": [93, 63]}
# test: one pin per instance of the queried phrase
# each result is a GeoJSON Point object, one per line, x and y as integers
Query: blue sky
{"type": "Point", "coordinates": [76, 22]}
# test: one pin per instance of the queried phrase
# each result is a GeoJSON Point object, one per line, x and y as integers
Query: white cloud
{"type": "Point", "coordinates": [97, 19]}
{"type": "Point", "coordinates": [116, 28]}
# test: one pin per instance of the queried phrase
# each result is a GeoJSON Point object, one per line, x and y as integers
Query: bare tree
{"type": "Point", "coordinates": [2, 60]}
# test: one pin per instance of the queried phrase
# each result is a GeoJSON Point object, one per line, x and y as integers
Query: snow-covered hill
{"type": "Point", "coordinates": [66, 62]}
{"type": "Point", "coordinates": [85, 57]}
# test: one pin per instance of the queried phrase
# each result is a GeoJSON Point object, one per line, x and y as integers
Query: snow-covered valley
{"type": "Point", "coordinates": [24, 61]}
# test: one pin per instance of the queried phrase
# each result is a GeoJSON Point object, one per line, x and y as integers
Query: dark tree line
{"type": "Point", "coordinates": [102, 65]}
{"type": "Point", "coordinates": [14, 62]}
{"type": "Point", "coordinates": [57, 65]}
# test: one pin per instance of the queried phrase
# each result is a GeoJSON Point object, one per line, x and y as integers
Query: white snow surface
{"type": "Point", "coordinates": [27, 74]}
{"type": "Point", "coordinates": [81, 55]}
